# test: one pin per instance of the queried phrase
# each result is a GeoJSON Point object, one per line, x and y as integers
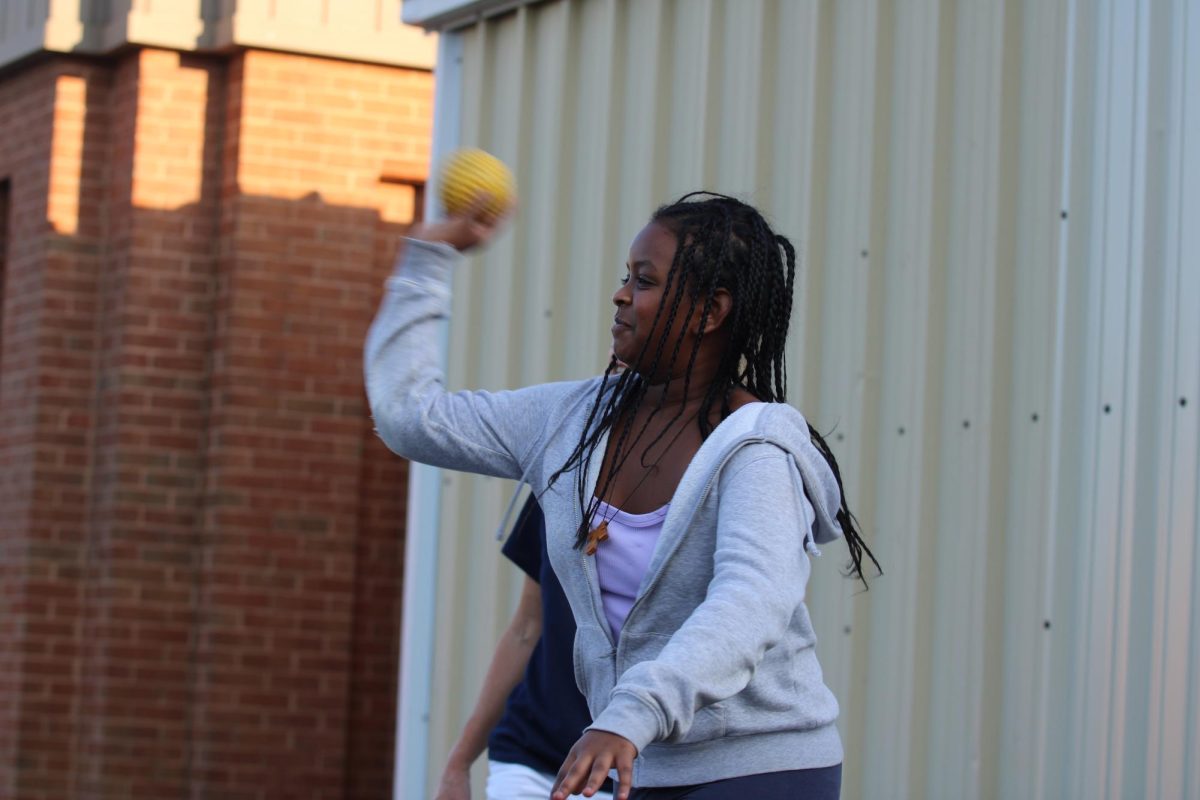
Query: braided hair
{"type": "Point", "coordinates": [726, 244]}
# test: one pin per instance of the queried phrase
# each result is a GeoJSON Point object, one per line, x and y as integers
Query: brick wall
{"type": "Point", "coordinates": [46, 377]}
{"type": "Point", "coordinates": [200, 553]}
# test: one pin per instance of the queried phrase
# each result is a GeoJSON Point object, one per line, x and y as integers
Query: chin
{"type": "Point", "coordinates": [623, 361]}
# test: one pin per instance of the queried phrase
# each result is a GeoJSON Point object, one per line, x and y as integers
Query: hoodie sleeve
{"type": "Point", "coordinates": [492, 433]}
{"type": "Point", "coordinates": [759, 578]}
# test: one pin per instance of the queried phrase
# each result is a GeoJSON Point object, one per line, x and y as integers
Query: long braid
{"type": "Point", "coordinates": [626, 409]}
{"type": "Point", "coordinates": [849, 523]}
{"type": "Point", "coordinates": [723, 244]}
{"type": "Point", "coordinates": [784, 315]}
{"type": "Point", "coordinates": [624, 447]}
{"type": "Point", "coordinates": [626, 396]}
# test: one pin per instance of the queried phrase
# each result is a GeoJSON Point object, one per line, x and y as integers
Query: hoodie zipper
{"type": "Point", "coordinates": [593, 577]}
{"type": "Point", "coordinates": [593, 580]}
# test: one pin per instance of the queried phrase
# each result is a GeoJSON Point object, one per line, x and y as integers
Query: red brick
{"type": "Point", "coordinates": [203, 517]}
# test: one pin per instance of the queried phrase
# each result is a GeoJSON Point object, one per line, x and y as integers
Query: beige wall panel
{"type": "Point", "coordinates": [360, 30]}
{"type": "Point", "coordinates": [995, 321]}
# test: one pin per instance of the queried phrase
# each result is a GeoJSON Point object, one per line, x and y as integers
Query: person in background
{"type": "Point", "coordinates": [529, 710]}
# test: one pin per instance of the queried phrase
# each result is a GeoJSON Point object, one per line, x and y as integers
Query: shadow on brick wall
{"type": "Point", "coordinates": [205, 593]}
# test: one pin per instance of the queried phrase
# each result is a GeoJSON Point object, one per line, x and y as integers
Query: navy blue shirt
{"type": "Point", "coordinates": [545, 714]}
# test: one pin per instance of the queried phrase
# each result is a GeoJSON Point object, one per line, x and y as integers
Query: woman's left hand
{"type": "Point", "coordinates": [588, 763]}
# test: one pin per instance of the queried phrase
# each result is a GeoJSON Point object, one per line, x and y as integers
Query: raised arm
{"type": "Point", "coordinates": [486, 432]}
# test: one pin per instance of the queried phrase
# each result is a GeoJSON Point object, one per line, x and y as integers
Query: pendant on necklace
{"type": "Point", "coordinates": [598, 535]}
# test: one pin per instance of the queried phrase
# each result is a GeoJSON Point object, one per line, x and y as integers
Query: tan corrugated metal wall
{"type": "Point", "coordinates": [998, 207]}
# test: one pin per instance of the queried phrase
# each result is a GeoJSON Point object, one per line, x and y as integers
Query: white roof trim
{"type": "Point", "coordinates": [444, 15]}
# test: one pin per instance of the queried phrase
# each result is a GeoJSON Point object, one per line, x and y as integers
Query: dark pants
{"type": "Point", "coordinates": [798, 784]}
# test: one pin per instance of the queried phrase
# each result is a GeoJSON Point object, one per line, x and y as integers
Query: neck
{"type": "Point", "coordinates": [670, 390]}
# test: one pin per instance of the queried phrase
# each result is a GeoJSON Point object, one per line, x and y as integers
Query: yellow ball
{"type": "Point", "coordinates": [468, 173]}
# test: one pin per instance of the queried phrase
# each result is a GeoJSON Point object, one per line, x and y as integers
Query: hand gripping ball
{"type": "Point", "coordinates": [468, 173]}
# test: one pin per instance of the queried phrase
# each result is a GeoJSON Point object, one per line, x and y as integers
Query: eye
{"type": "Point", "coordinates": [641, 281]}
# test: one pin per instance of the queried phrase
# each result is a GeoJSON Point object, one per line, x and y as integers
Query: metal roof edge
{"type": "Point", "coordinates": [448, 15]}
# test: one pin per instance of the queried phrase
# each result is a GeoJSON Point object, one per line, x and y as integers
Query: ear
{"type": "Point", "coordinates": [722, 304]}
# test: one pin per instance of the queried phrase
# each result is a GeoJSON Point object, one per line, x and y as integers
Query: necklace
{"type": "Point", "coordinates": [600, 532]}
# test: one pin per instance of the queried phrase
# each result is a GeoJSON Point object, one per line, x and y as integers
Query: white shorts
{"type": "Point", "coordinates": [507, 781]}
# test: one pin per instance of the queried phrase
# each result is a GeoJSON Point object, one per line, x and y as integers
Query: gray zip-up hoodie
{"type": "Point", "coordinates": [714, 675]}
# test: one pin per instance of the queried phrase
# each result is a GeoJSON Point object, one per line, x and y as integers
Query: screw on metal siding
{"type": "Point", "coordinates": [966, 423]}
{"type": "Point", "coordinates": [1107, 408]}
{"type": "Point", "coordinates": [1046, 624]}
{"type": "Point", "coordinates": [1034, 417]}
{"type": "Point", "coordinates": [1182, 402]}
{"type": "Point", "coordinates": [901, 430]}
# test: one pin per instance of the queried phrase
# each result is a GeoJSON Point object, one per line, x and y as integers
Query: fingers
{"type": "Point", "coordinates": [589, 763]}
{"type": "Point", "coordinates": [597, 775]}
{"type": "Point", "coordinates": [624, 777]}
{"type": "Point", "coordinates": [476, 224]}
{"type": "Point", "coordinates": [570, 775]}
{"type": "Point", "coordinates": [585, 776]}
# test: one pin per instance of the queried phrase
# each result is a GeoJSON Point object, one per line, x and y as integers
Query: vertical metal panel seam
{"type": "Point", "coordinates": [794, 132]}
{"type": "Point", "coordinates": [1001, 441]}
{"type": "Point", "coordinates": [710, 133]}
{"type": "Point", "coordinates": [1084, 760]}
{"type": "Point", "coordinates": [907, 265]}
{"type": "Point", "coordinates": [518, 255]}
{"type": "Point", "coordinates": [1056, 409]}
{"type": "Point", "coordinates": [812, 250]}
{"type": "Point", "coordinates": [663, 77]}
{"type": "Point", "coordinates": [1128, 196]}
{"type": "Point", "coordinates": [1126, 767]}
{"type": "Point", "coordinates": [920, 752]}
{"type": "Point", "coordinates": [841, 345]}
{"type": "Point", "coordinates": [768, 117]}
{"type": "Point", "coordinates": [1187, 384]}
{"type": "Point", "coordinates": [865, 450]}
{"type": "Point", "coordinates": [611, 194]}
{"type": "Point", "coordinates": [420, 590]}
{"type": "Point", "coordinates": [1167, 729]}
{"type": "Point", "coordinates": [561, 247]}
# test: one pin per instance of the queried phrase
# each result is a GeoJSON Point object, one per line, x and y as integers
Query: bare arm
{"type": "Point", "coordinates": [505, 672]}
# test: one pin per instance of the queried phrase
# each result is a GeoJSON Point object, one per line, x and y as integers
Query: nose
{"type": "Point", "coordinates": [623, 296]}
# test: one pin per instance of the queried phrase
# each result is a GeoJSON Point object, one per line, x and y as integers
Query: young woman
{"type": "Point", "coordinates": [682, 500]}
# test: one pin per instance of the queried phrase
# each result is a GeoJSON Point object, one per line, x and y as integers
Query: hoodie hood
{"type": "Point", "coordinates": [820, 483]}
{"type": "Point", "coordinates": [784, 426]}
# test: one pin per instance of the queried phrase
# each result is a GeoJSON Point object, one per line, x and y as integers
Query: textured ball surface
{"type": "Point", "coordinates": [467, 173]}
